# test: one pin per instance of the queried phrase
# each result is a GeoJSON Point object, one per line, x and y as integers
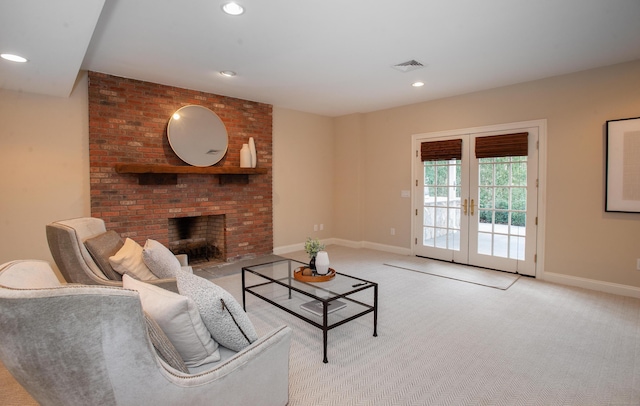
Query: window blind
{"type": "Point", "coordinates": [496, 146]}
{"type": "Point", "coordinates": [441, 150]}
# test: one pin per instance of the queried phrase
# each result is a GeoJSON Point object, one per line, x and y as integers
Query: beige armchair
{"type": "Point", "coordinates": [89, 345]}
{"type": "Point", "coordinates": [67, 239]}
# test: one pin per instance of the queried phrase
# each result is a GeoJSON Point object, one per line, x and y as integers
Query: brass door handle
{"type": "Point", "coordinates": [464, 207]}
{"type": "Point", "coordinates": [472, 206]}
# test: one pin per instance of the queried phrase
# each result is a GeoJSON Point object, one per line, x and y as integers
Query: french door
{"type": "Point", "coordinates": [476, 198]}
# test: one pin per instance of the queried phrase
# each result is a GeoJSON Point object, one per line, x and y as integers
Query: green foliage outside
{"type": "Point", "coordinates": [502, 187]}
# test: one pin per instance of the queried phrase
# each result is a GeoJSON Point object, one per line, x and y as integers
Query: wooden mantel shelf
{"type": "Point", "coordinates": [208, 170]}
{"type": "Point", "coordinates": [159, 174]}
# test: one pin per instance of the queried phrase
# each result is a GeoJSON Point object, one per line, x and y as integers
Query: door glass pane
{"type": "Point", "coordinates": [519, 198]}
{"type": "Point", "coordinates": [454, 241]}
{"type": "Point", "coordinates": [519, 224]}
{"type": "Point", "coordinates": [442, 174]}
{"type": "Point", "coordinates": [441, 237]}
{"type": "Point", "coordinates": [502, 174]}
{"type": "Point", "coordinates": [484, 243]}
{"type": "Point", "coordinates": [429, 216]}
{"type": "Point", "coordinates": [428, 237]}
{"type": "Point", "coordinates": [486, 198]}
{"type": "Point", "coordinates": [502, 199]}
{"type": "Point", "coordinates": [500, 245]}
{"type": "Point", "coordinates": [500, 228]}
{"type": "Point", "coordinates": [442, 204]}
{"type": "Point", "coordinates": [502, 218]}
{"type": "Point", "coordinates": [454, 219]}
{"type": "Point", "coordinates": [519, 173]}
{"type": "Point", "coordinates": [441, 216]}
{"type": "Point", "coordinates": [485, 219]}
{"type": "Point", "coordinates": [442, 196]}
{"type": "Point", "coordinates": [486, 173]}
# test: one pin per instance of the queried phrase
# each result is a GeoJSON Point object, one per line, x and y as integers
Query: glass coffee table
{"type": "Point", "coordinates": [325, 305]}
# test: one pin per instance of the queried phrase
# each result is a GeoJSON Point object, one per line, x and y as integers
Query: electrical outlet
{"type": "Point", "coordinates": [638, 264]}
{"type": "Point", "coordinates": [315, 227]}
{"type": "Point", "coordinates": [321, 227]}
{"type": "Point", "coordinates": [393, 231]}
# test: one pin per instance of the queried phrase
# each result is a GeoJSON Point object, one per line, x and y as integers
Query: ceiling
{"type": "Point", "coordinates": [325, 57]}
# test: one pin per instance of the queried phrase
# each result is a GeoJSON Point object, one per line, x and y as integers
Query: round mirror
{"type": "Point", "coordinates": [197, 135]}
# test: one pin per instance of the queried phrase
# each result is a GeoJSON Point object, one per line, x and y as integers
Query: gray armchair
{"type": "Point", "coordinates": [67, 239]}
{"type": "Point", "coordinates": [89, 345]}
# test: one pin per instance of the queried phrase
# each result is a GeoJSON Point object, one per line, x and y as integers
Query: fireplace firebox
{"type": "Point", "coordinates": [199, 237]}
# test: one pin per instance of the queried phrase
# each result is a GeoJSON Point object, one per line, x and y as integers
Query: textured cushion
{"type": "Point", "coordinates": [222, 314]}
{"type": "Point", "coordinates": [103, 246]}
{"type": "Point", "coordinates": [160, 260]}
{"type": "Point", "coordinates": [162, 344]}
{"type": "Point", "coordinates": [128, 259]}
{"type": "Point", "coordinates": [180, 320]}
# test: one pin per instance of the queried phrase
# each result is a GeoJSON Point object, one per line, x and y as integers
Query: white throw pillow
{"type": "Point", "coordinates": [129, 260]}
{"type": "Point", "coordinates": [160, 261]}
{"type": "Point", "coordinates": [180, 320]}
{"type": "Point", "coordinates": [229, 325]}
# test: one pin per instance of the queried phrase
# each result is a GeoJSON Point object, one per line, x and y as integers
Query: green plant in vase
{"type": "Point", "coordinates": [312, 246]}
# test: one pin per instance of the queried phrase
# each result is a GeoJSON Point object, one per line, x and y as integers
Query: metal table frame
{"type": "Point", "coordinates": [359, 285]}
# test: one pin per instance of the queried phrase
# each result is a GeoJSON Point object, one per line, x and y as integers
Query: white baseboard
{"type": "Point", "coordinates": [345, 243]}
{"type": "Point", "coordinates": [387, 248]}
{"type": "Point", "coordinates": [329, 241]}
{"type": "Point", "coordinates": [287, 249]}
{"type": "Point", "coordinates": [601, 286]}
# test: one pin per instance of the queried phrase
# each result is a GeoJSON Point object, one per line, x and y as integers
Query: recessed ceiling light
{"type": "Point", "coordinates": [228, 73]}
{"type": "Point", "coordinates": [13, 58]}
{"type": "Point", "coordinates": [233, 9]}
{"type": "Point", "coordinates": [417, 84]}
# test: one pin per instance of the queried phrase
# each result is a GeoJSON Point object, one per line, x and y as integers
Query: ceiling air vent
{"type": "Point", "coordinates": [408, 66]}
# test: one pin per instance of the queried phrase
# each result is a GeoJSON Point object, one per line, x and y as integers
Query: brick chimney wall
{"type": "Point", "coordinates": [128, 123]}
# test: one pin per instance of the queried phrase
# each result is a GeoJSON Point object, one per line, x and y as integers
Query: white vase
{"type": "Point", "coordinates": [322, 263]}
{"type": "Point", "coordinates": [252, 149]}
{"type": "Point", "coordinates": [245, 156]}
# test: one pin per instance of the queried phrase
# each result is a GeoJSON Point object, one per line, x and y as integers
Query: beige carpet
{"type": "Point", "coordinates": [478, 276]}
{"type": "Point", "coordinates": [442, 342]}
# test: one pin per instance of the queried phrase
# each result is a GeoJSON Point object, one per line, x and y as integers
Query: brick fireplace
{"type": "Point", "coordinates": [127, 124]}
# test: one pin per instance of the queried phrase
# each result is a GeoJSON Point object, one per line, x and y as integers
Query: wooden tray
{"type": "Point", "coordinates": [297, 274]}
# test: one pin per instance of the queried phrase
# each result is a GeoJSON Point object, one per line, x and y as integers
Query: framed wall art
{"type": "Point", "coordinates": [623, 165]}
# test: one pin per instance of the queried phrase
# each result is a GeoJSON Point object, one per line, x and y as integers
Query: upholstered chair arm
{"type": "Point", "coordinates": [267, 359]}
{"type": "Point", "coordinates": [32, 274]}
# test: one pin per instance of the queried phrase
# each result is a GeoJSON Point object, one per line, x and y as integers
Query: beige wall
{"type": "Point", "coordinates": [348, 186]}
{"type": "Point", "coordinates": [581, 239]}
{"type": "Point", "coordinates": [44, 167]}
{"type": "Point", "coordinates": [303, 168]}
{"type": "Point", "coordinates": [348, 172]}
